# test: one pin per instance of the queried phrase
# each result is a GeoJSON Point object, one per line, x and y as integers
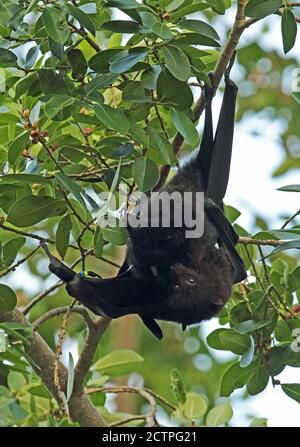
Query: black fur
{"type": "Point", "coordinates": [167, 276]}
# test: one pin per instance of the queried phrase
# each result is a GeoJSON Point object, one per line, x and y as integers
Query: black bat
{"type": "Point", "coordinates": [166, 276]}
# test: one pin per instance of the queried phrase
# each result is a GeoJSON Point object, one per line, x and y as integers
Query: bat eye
{"type": "Point", "coordinates": [191, 281]}
{"type": "Point", "coordinates": [176, 285]}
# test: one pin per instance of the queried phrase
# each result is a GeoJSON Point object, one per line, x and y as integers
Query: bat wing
{"type": "Point", "coordinates": [114, 297]}
{"type": "Point", "coordinates": [150, 323]}
{"type": "Point", "coordinates": [228, 238]}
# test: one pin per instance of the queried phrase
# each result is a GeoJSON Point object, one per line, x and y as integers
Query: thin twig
{"type": "Point", "coordinates": [81, 310]}
{"type": "Point", "coordinates": [290, 219]}
{"type": "Point", "coordinates": [20, 262]}
{"type": "Point", "coordinates": [61, 396]}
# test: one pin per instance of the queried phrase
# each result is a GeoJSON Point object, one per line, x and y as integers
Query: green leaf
{"type": "Point", "coordinates": [235, 377]}
{"type": "Point", "coordinates": [7, 58]}
{"type": "Point", "coordinates": [70, 383]}
{"type": "Point", "coordinates": [195, 406]}
{"type": "Point", "coordinates": [160, 143]}
{"type": "Point", "coordinates": [30, 210]}
{"type": "Point", "coordinates": [31, 56]}
{"type": "Point", "coordinates": [162, 31]}
{"type": "Point", "coordinates": [56, 104]}
{"type": "Point", "coordinates": [259, 422]}
{"type": "Point", "coordinates": [219, 415]}
{"type": "Point", "coordinates": [8, 299]}
{"type": "Point", "coordinates": [98, 243]}
{"type": "Point", "coordinates": [200, 27]}
{"type": "Point", "coordinates": [118, 363]}
{"type": "Point", "coordinates": [124, 63]}
{"type": "Point", "coordinates": [53, 84]}
{"type": "Point", "coordinates": [83, 18]}
{"type": "Point", "coordinates": [104, 80]}
{"type": "Point", "coordinates": [259, 380]}
{"type": "Point", "coordinates": [122, 26]}
{"type": "Point", "coordinates": [234, 342]}
{"type": "Point", "coordinates": [112, 118]}
{"type": "Point", "coordinates": [63, 235]}
{"type": "Point", "coordinates": [174, 4]}
{"type": "Point", "coordinates": [115, 235]}
{"type": "Point", "coordinates": [288, 30]}
{"type": "Point", "coordinates": [177, 63]}
{"type": "Point", "coordinates": [177, 386]}
{"type": "Point", "coordinates": [25, 178]}
{"type": "Point", "coordinates": [56, 24]}
{"type": "Point", "coordinates": [290, 188]}
{"type": "Point", "coordinates": [185, 126]}
{"type": "Point", "coordinates": [292, 390]}
{"type": "Point", "coordinates": [286, 246]}
{"type": "Point", "coordinates": [71, 186]}
{"type": "Point", "coordinates": [248, 355]}
{"type": "Point", "coordinates": [145, 173]}
{"type": "Point", "coordinates": [189, 9]}
{"type": "Point", "coordinates": [11, 249]}
{"type": "Point", "coordinates": [259, 8]}
{"type": "Point", "coordinates": [214, 341]}
{"type": "Point", "coordinates": [195, 39]}
{"type": "Point", "coordinates": [125, 4]}
{"type": "Point", "coordinates": [168, 88]}
{"type": "Point", "coordinates": [278, 357]}
{"type": "Point", "coordinates": [16, 381]}
{"type": "Point", "coordinates": [251, 325]}
{"type": "Point", "coordinates": [78, 63]}
{"type": "Point", "coordinates": [16, 148]}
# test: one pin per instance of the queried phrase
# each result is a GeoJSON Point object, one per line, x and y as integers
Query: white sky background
{"type": "Point", "coordinates": [251, 189]}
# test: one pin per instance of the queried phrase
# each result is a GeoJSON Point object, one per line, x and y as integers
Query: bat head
{"type": "Point", "coordinates": [197, 294]}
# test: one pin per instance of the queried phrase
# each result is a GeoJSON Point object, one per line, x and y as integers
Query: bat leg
{"type": "Point", "coordinates": [207, 141]}
{"type": "Point", "coordinates": [222, 147]}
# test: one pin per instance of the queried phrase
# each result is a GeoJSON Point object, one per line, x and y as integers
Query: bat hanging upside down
{"type": "Point", "coordinates": [166, 276]}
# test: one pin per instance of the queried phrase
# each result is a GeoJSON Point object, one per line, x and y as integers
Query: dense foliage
{"type": "Point", "coordinates": [96, 95]}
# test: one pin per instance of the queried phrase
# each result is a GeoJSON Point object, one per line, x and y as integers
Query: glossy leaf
{"type": "Point", "coordinates": [200, 27]}
{"type": "Point", "coordinates": [177, 62]}
{"type": "Point", "coordinates": [83, 18]}
{"type": "Point", "coordinates": [118, 363]}
{"type": "Point", "coordinates": [292, 390]}
{"type": "Point", "coordinates": [185, 126]}
{"type": "Point", "coordinates": [17, 147]}
{"type": "Point", "coordinates": [195, 405]}
{"type": "Point", "coordinates": [56, 104]}
{"type": "Point", "coordinates": [30, 210]}
{"type": "Point", "coordinates": [63, 235]}
{"type": "Point", "coordinates": [56, 24]}
{"type": "Point", "coordinates": [112, 118]}
{"type": "Point", "coordinates": [124, 63]}
{"type": "Point", "coordinates": [115, 235]}
{"type": "Point", "coordinates": [8, 299]}
{"type": "Point", "coordinates": [145, 173]}
{"type": "Point", "coordinates": [288, 29]}
{"type": "Point", "coordinates": [11, 249]}
{"type": "Point", "coordinates": [259, 8]}
{"type": "Point", "coordinates": [219, 415]}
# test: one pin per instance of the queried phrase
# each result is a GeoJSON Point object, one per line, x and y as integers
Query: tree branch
{"type": "Point", "coordinates": [227, 53]}
{"type": "Point", "coordinates": [81, 409]}
{"type": "Point", "coordinates": [96, 330]}
{"type": "Point", "coordinates": [251, 241]}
